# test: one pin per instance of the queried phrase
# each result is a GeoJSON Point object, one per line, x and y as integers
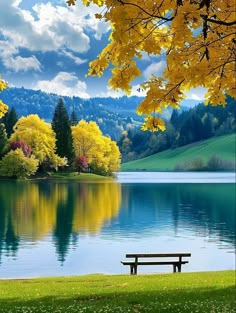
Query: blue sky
{"type": "Point", "coordinates": [46, 45]}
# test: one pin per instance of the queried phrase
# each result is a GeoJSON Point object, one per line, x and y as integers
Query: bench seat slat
{"type": "Point", "coordinates": [155, 263]}
{"type": "Point", "coordinates": [159, 255]}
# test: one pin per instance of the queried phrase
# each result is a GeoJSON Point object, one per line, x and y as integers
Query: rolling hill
{"type": "Point", "coordinates": [223, 147]}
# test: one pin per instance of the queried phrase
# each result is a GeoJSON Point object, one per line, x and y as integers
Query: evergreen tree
{"type": "Point", "coordinates": [73, 118]}
{"type": "Point", "coordinates": [208, 125]}
{"type": "Point", "coordinates": [3, 139]}
{"type": "Point", "coordinates": [62, 129]}
{"type": "Point", "coordinates": [174, 118]}
{"type": "Point", "coordinates": [10, 119]}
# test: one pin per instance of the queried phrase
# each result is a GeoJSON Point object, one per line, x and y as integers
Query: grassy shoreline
{"type": "Point", "coordinates": [68, 176]}
{"type": "Point", "coordinates": [172, 293]}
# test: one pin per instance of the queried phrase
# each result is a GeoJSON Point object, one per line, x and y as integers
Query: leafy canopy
{"type": "Point", "coordinates": [197, 38]}
{"type": "Point", "coordinates": [39, 135]}
{"type": "Point", "coordinates": [3, 106]}
{"type": "Point", "coordinates": [16, 164]}
{"type": "Point", "coordinates": [102, 154]}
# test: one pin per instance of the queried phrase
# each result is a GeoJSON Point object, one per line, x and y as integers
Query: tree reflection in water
{"type": "Point", "coordinates": [64, 213]}
{"type": "Point", "coordinates": [32, 210]}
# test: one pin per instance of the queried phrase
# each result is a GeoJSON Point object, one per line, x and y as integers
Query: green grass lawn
{"type": "Point", "coordinates": [223, 147]}
{"type": "Point", "coordinates": [181, 292]}
{"type": "Point", "coordinates": [82, 176]}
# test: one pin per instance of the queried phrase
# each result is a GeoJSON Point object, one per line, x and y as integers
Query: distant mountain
{"type": "Point", "coordinates": [113, 115]}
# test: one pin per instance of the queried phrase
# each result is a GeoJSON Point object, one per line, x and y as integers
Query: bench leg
{"type": "Point", "coordinates": [133, 269]}
{"type": "Point", "coordinates": [175, 266]}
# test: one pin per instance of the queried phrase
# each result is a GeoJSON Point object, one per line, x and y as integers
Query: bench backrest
{"type": "Point", "coordinates": [157, 255]}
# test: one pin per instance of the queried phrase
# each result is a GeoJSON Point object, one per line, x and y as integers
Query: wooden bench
{"type": "Point", "coordinates": [174, 259]}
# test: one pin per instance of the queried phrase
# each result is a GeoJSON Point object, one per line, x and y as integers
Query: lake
{"type": "Point", "coordinates": [51, 227]}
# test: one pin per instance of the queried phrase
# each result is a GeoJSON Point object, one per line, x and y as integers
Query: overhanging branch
{"type": "Point", "coordinates": [168, 19]}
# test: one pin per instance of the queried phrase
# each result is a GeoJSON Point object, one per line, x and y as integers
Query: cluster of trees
{"type": "Point", "coordinates": [32, 145]}
{"type": "Point", "coordinates": [184, 127]}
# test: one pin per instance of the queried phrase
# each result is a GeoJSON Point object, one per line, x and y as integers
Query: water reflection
{"type": "Point", "coordinates": [44, 222]}
{"type": "Point", "coordinates": [203, 209]}
{"type": "Point", "coordinates": [31, 211]}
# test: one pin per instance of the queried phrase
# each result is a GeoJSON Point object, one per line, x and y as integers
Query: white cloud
{"type": "Point", "coordinates": [76, 59]}
{"type": "Point", "coordinates": [138, 91]}
{"type": "Point", "coordinates": [47, 27]}
{"type": "Point", "coordinates": [96, 25]}
{"type": "Point", "coordinates": [7, 49]}
{"type": "Point", "coordinates": [64, 84]}
{"type": "Point", "coordinates": [197, 93]}
{"type": "Point", "coordinates": [60, 27]}
{"type": "Point", "coordinates": [16, 3]}
{"type": "Point", "coordinates": [22, 64]}
{"type": "Point", "coordinates": [17, 63]}
{"type": "Point", "coordinates": [154, 69]}
{"type": "Point", "coordinates": [108, 92]}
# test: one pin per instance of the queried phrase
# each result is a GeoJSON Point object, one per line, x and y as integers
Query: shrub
{"type": "Point", "coordinates": [15, 164]}
{"type": "Point", "coordinates": [81, 163]}
{"type": "Point", "coordinates": [96, 169]}
{"type": "Point", "coordinates": [20, 144]}
{"type": "Point", "coordinates": [217, 164]}
{"type": "Point", "coordinates": [196, 164]}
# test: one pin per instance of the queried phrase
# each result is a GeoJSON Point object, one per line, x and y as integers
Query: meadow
{"type": "Point", "coordinates": [173, 293]}
{"type": "Point", "coordinates": [222, 147]}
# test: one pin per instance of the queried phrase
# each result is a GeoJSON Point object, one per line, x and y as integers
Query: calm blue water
{"type": "Point", "coordinates": [52, 228]}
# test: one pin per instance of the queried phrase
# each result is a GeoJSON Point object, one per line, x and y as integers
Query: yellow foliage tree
{"type": "Point", "coordinates": [112, 155]}
{"type": "Point", "coordinates": [99, 150]}
{"type": "Point", "coordinates": [196, 37]}
{"type": "Point", "coordinates": [3, 106]}
{"type": "Point", "coordinates": [40, 137]}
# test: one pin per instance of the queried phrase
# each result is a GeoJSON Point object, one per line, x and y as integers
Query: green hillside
{"type": "Point", "coordinates": [222, 147]}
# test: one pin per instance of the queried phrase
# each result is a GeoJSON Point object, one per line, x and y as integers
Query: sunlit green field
{"type": "Point", "coordinates": [222, 147]}
{"type": "Point", "coordinates": [173, 293]}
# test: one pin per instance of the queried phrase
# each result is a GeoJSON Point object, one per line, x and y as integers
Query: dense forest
{"type": "Point", "coordinates": [113, 115]}
{"type": "Point", "coordinates": [184, 127]}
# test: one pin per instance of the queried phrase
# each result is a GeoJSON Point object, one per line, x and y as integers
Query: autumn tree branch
{"type": "Point", "coordinates": [168, 19]}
